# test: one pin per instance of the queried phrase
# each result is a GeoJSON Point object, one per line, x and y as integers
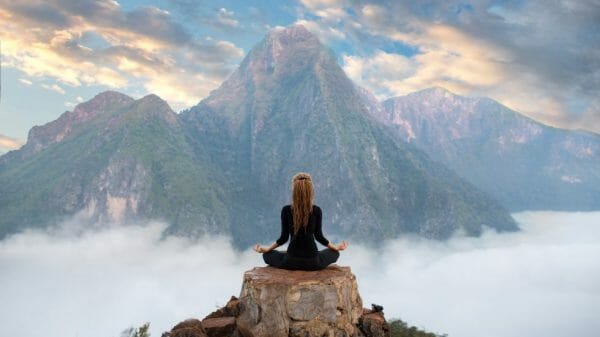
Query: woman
{"type": "Point", "coordinates": [301, 220]}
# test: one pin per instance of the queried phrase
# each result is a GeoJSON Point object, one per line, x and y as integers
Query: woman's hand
{"type": "Point", "coordinates": [339, 247]}
{"type": "Point", "coordinates": [260, 249]}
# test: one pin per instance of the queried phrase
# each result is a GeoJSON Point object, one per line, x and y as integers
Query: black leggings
{"type": "Point", "coordinates": [282, 260]}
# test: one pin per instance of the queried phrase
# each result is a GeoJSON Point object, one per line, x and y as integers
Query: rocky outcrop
{"type": "Point", "coordinates": [187, 328]}
{"type": "Point", "coordinates": [318, 303]}
{"type": "Point", "coordinates": [276, 302]}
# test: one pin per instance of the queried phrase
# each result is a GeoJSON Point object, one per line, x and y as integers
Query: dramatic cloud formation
{"type": "Point", "coordinates": [541, 58]}
{"type": "Point", "coordinates": [542, 281]}
{"type": "Point", "coordinates": [97, 42]}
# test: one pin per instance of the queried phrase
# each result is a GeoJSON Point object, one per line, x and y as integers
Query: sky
{"type": "Point", "coordinates": [538, 57]}
{"type": "Point", "coordinates": [71, 281]}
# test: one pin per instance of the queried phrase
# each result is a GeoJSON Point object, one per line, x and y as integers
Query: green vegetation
{"type": "Point", "coordinates": [142, 331]}
{"type": "Point", "coordinates": [399, 328]}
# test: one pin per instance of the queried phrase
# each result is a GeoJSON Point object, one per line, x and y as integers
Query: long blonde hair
{"type": "Point", "coordinates": [302, 200]}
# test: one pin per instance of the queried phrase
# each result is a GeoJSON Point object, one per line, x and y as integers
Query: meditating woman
{"type": "Point", "coordinates": [301, 220]}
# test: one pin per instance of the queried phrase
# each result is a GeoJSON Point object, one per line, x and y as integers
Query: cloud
{"type": "Point", "coordinates": [100, 43]}
{"type": "Point", "coordinates": [540, 281]}
{"type": "Point", "coordinates": [25, 81]}
{"type": "Point", "coordinates": [317, 5]}
{"type": "Point", "coordinates": [54, 87]}
{"type": "Point", "coordinates": [388, 70]}
{"type": "Point", "coordinates": [72, 104]}
{"type": "Point", "coordinates": [324, 33]}
{"type": "Point", "coordinates": [98, 281]}
{"type": "Point", "coordinates": [537, 57]}
{"type": "Point", "coordinates": [8, 143]}
{"type": "Point", "coordinates": [225, 18]}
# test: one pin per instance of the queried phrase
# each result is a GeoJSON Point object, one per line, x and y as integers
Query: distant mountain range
{"type": "Point", "coordinates": [224, 166]}
{"type": "Point", "coordinates": [524, 164]}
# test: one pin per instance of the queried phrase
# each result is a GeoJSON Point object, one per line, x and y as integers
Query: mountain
{"type": "Point", "coordinates": [521, 162]}
{"type": "Point", "coordinates": [110, 159]}
{"type": "Point", "coordinates": [289, 107]}
{"type": "Point", "coordinates": [224, 166]}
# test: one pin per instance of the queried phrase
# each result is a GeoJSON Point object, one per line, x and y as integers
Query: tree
{"type": "Point", "coordinates": [142, 331]}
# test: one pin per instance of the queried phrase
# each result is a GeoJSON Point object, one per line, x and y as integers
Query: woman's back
{"type": "Point", "coordinates": [302, 244]}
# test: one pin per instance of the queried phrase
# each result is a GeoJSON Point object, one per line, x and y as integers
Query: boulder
{"type": "Point", "coordinates": [219, 327]}
{"type": "Point", "coordinates": [188, 328]}
{"type": "Point", "coordinates": [231, 309]}
{"type": "Point", "coordinates": [277, 302]}
{"type": "Point", "coordinates": [373, 323]}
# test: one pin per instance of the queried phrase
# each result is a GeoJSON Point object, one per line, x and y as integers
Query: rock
{"type": "Point", "coordinates": [219, 327]}
{"type": "Point", "coordinates": [188, 328]}
{"type": "Point", "coordinates": [376, 308]}
{"type": "Point", "coordinates": [373, 323]}
{"type": "Point", "coordinates": [277, 302]}
{"type": "Point", "coordinates": [231, 309]}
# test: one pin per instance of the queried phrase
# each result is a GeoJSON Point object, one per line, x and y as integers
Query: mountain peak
{"type": "Point", "coordinates": [284, 54]}
{"type": "Point", "coordinates": [294, 32]}
{"type": "Point", "coordinates": [111, 94]}
{"type": "Point", "coordinates": [153, 99]}
{"type": "Point", "coordinates": [43, 136]}
{"type": "Point", "coordinates": [287, 44]}
{"type": "Point", "coordinates": [105, 99]}
{"type": "Point", "coordinates": [436, 91]}
{"type": "Point", "coordinates": [152, 104]}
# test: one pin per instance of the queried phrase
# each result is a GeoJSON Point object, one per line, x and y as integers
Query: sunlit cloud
{"type": "Point", "coordinates": [537, 58]}
{"type": "Point", "coordinates": [8, 143]}
{"type": "Point", "coordinates": [98, 43]}
{"type": "Point", "coordinates": [387, 71]}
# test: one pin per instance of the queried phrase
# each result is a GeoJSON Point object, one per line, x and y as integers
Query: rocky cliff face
{"type": "Point", "coordinates": [523, 163]}
{"type": "Point", "coordinates": [276, 302]}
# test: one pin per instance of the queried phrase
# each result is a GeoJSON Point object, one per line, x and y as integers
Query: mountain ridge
{"type": "Point", "coordinates": [223, 165]}
{"type": "Point", "coordinates": [522, 162]}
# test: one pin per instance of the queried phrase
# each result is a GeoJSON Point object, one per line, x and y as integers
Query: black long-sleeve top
{"type": "Point", "coordinates": [303, 243]}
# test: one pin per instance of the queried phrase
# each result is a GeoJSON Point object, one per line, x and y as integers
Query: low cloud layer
{"type": "Point", "coordinates": [542, 281]}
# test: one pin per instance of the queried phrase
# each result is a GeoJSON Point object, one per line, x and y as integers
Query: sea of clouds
{"type": "Point", "coordinates": [74, 282]}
